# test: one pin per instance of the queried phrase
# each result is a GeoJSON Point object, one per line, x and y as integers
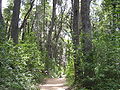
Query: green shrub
{"type": "Point", "coordinates": [20, 66]}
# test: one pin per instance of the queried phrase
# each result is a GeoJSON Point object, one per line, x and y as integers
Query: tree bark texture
{"type": "Point", "coordinates": [87, 44]}
{"type": "Point", "coordinates": [76, 44]}
{"type": "Point", "coordinates": [2, 26]}
{"type": "Point", "coordinates": [86, 26]}
{"type": "Point", "coordinates": [49, 42]}
{"type": "Point", "coordinates": [49, 39]}
{"type": "Point", "coordinates": [27, 15]}
{"type": "Point", "coordinates": [15, 21]}
{"type": "Point", "coordinates": [1, 10]}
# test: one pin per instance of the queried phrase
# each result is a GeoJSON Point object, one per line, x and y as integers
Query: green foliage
{"type": "Point", "coordinates": [21, 66]}
{"type": "Point", "coordinates": [24, 65]}
{"type": "Point", "coordinates": [106, 57]}
{"type": "Point", "coordinates": [106, 62]}
{"type": "Point", "coordinates": [70, 64]}
{"type": "Point", "coordinates": [2, 31]}
{"type": "Point", "coordinates": [56, 70]}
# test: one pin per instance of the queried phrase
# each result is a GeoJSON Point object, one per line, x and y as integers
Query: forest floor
{"type": "Point", "coordinates": [54, 84]}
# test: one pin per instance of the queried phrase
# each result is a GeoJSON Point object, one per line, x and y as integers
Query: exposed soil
{"type": "Point", "coordinates": [54, 84]}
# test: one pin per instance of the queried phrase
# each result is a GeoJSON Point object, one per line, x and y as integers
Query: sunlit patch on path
{"type": "Point", "coordinates": [54, 84]}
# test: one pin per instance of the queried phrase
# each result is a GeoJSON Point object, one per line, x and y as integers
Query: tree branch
{"type": "Point", "coordinates": [27, 15]}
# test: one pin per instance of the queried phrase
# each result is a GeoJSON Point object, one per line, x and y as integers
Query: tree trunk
{"type": "Point", "coordinates": [2, 25]}
{"type": "Point", "coordinates": [49, 42]}
{"type": "Point", "coordinates": [86, 26]}
{"type": "Point", "coordinates": [87, 43]}
{"type": "Point", "coordinates": [57, 35]}
{"type": "Point", "coordinates": [1, 10]}
{"type": "Point", "coordinates": [76, 44]}
{"type": "Point", "coordinates": [49, 39]}
{"type": "Point", "coordinates": [27, 15]}
{"type": "Point", "coordinates": [15, 20]}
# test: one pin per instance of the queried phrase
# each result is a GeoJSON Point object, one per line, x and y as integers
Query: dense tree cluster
{"type": "Point", "coordinates": [51, 38]}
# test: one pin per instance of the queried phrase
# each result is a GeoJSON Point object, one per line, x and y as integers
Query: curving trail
{"type": "Point", "coordinates": [54, 84]}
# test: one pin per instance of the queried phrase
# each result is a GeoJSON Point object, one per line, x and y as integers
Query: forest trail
{"type": "Point", "coordinates": [54, 84]}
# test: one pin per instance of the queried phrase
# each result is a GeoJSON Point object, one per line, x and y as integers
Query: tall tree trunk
{"type": "Point", "coordinates": [1, 10]}
{"type": "Point", "coordinates": [57, 35]}
{"type": "Point", "coordinates": [87, 43]}
{"type": "Point", "coordinates": [25, 22]}
{"type": "Point", "coordinates": [49, 38]}
{"type": "Point", "coordinates": [2, 25]}
{"type": "Point", "coordinates": [49, 42]}
{"type": "Point", "coordinates": [27, 15]}
{"type": "Point", "coordinates": [15, 20]}
{"type": "Point", "coordinates": [76, 44]}
{"type": "Point", "coordinates": [86, 26]}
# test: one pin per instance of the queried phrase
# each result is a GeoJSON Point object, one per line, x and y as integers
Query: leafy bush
{"type": "Point", "coordinates": [70, 64]}
{"type": "Point", "coordinates": [107, 61]}
{"type": "Point", "coordinates": [20, 66]}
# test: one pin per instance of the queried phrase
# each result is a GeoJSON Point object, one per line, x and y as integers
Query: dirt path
{"type": "Point", "coordinates": [54, 84]}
